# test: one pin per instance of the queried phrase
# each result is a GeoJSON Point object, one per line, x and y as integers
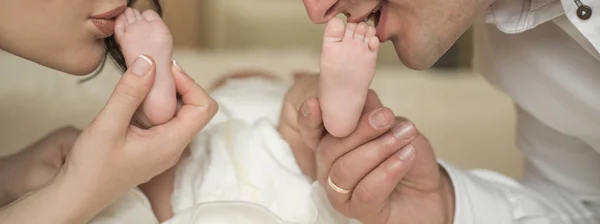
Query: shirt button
{"type": "Point", "coordinates": [584, 12]}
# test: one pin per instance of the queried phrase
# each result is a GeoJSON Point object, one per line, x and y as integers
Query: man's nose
{"type": "Point", "coordinates": [321, 11]}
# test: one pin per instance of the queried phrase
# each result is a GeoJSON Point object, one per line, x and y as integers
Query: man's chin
{"type": "Point", "coordinates": [415, 61]}
{"type": "Point", "coordinates": [417, 58]}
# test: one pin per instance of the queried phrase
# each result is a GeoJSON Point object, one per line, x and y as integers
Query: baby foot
{"type": "Point", "coordinates": [145, 33]}
{"type": "Point", "coordinates": [348, 62]}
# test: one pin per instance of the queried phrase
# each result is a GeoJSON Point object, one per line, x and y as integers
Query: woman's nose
{"type": "Point", "coordinates": [321, 11]}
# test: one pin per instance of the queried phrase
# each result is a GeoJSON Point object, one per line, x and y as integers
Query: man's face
{"type": "Point", "coordinates": [421, 30]}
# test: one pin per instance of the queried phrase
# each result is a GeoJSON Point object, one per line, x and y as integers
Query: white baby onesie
{"type": "Point", "coordinates": [240, 169]}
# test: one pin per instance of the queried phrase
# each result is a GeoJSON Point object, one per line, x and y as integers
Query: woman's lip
{"type": "Point", "coordinates": [105, 22]}
{"type": "Point", "coordinates": [380, 29]}
{"type": "Point", "coordinates": [111, 14]}
{"type": "Point", "coordinates": [106, 26]}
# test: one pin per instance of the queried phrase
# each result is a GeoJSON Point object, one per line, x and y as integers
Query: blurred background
{"type": "Point", "coordinates": [468, 122]}
{"type": "Point", "coordinates": [269, 24]}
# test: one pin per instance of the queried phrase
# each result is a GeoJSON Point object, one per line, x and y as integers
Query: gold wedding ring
{"type": "Point", "coordinates": [336, 188]}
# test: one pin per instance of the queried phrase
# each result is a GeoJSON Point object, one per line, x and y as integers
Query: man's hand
{"type": "Point", "coordinates": [384, 172]}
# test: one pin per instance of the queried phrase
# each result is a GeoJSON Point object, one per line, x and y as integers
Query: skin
{"type": "Point", "coordinates": [36, 165]}
{"type": "Point", "coordinates": [109, 149]}
{"type": "Point", "coordinates": [422, 31]}
{"type": "Point", "coordinates": [76, 47]}
{"type": "Point", "coordinates": [71, 167]}
{"type": "Point", "coordinates": [383, 188]}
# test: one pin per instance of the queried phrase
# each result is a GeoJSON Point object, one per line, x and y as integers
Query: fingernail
{"type": "Point", "coordinates": [379, 119]}
{"type": "Point", "coordinates": [403, 130]}
{"type": "Point", "coordinates": [305, 109]}
{"type": "Point", "coordinates": [406, 153]}
{"type": "Point", "coordinates": [177, 66]}
{"type": "Point", "coordinates": [141, 65]}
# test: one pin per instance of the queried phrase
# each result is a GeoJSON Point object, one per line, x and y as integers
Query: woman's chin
{"type": "Point", "coordinates": [83, 62]}
{"type": "Point", "coordinates": [81, 69]}
{"type": "Point", "coordinates": [82, 65]}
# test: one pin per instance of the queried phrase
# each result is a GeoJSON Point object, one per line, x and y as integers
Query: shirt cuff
{"type": "Point", "coordinates": [476, 200]}
{"type": "Point", "coordinates": [514, 16]}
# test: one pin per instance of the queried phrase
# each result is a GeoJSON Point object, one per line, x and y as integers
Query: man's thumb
{"type": "Point", "coordinates": [129, 93]}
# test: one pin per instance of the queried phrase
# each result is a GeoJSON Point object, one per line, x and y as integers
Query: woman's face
{"type": "Point", "coordinates": [65, 35]}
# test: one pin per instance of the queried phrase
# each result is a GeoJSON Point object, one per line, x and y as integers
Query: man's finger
{"type": "Point", "coordinates": [370, 194]}
{"type": "Point", "coordinates": [371, 126]}
{"type": "Point", "coordinates": [350, 169]}
{"type": "Point", "coordinates": [197, 110]}
{"type": "Point", "coordinates": [303, 98]}
{"type": "Point", "coordinates": [129, 93]}
{"type": "Point", "coordinates": [372, 102]}
{"type": "Point", "coordinates": [310, 122]}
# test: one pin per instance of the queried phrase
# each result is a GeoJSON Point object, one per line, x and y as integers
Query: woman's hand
{"type": "Point", "coordinates": [36, 165]}
{"type": "Point", "coordinates": [384, 172]}
{"type": "Point", "coordinates": [110, 156]}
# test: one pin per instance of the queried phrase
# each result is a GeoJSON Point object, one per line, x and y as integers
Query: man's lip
{"type": "Point", "coordinates": [381, 24]}
{"type": "Point", "coordinates": [364, 16]}
{"type": "Point", "coordinates": [112, 13]}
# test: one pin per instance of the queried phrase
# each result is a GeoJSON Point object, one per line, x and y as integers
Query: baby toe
{"type": "Point", "coordinates": [350, 28]}
{"type": "Point", "coordinates": [361, 31]}
{"type": "Point", "coordinates": [150, 15]}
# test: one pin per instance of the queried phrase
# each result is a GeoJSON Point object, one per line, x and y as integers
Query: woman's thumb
{"type": "Point", "coordinates": [129, 93]}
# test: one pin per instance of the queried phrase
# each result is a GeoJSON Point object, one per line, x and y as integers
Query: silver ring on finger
{"type": "Point", "coordinates": [336, 188]}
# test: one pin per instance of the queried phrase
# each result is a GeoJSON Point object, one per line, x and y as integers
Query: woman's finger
{"type": "Point", "coordinates": [197, 110]}
{"type": "Point", "coordinates": [129, 93]}
{"type": "Point", "coordinates": [371, 126]}
{"type": "Point", "coordinates": [349, 170]}
{"type": "Point", "coordinates": [371, 193]}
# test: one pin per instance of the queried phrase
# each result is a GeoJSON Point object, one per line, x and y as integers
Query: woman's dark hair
{"type": "Point", "coordinates": [113, 50]}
